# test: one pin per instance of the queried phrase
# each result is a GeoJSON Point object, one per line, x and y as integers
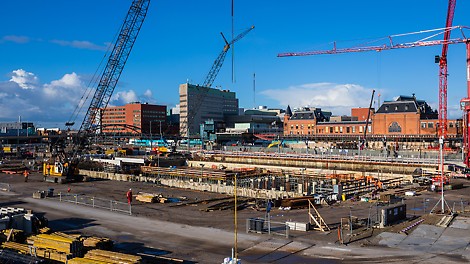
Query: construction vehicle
{"type": "Point", "coordinates": [63, 165]}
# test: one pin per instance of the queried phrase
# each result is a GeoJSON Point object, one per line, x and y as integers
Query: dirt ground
{"type": "Point", "coordinates": [194, 214]}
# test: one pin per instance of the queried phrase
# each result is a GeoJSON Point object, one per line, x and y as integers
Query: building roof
{"type": "Point", "coordinates": [307, 113]}
{"type": "Point", "coordinates": [398, 107]}
{"type": "Point", "coordinates": [288, 111]}
{"type": "Point", "coordinates": [408, 104]}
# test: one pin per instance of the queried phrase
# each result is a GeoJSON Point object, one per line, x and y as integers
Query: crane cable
{"type": "Point", "coordinates": [92, 83]}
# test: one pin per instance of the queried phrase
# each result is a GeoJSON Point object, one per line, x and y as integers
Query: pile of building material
{"type": "Point", "coordinates": [102, 256]}
{"type": "Point", "coordinates": [40, 252]}
{"type": "Point", "coordinates": [68, 245]}
{"type": "Point", "coordinates": [14, 235]}
{"type": "Point", "coordinates": [151, 198]}
{"type": "Point", "coordinates": [8, 256]}
{"type": "Point", "coordinates": [297, 202]}
{"type": "Point", "coordinates": [18, 218]}
{"type": "Point", "coordinates": [98, 243]}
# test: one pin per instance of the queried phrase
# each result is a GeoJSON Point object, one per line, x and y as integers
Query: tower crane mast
{"type": "Point", "coordinates": [443, 73]}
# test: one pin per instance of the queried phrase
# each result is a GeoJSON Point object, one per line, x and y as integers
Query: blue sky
{"type": "Point", "coordinates": [50, 49]}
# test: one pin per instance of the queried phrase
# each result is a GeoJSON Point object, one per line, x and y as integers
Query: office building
{"type": "Point", "coordinates": [198, 104]}
{"type": "Point", "coordinates": [135, 118]}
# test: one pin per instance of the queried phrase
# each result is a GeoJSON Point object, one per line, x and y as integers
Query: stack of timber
{"type": "Point", "coordinates": [85, 261]}
{"type": "Point", "coordinates": [297, 202]}
{"type": "Point", "coordinates": [70, 236]}
{"type": "Point", "coordinates": [39, 252]}
{"type": "Point", "coordinates": [98, 243]}
{"type": "Point", "coordinates": [44, 230]}
{"type": "Point", "coordinates": [228, 205]}
{"type": "Point", "coordinates": [67, 245]}
{"type": "Point", "coordinates": [14, 235]}
{"type": "Point", "coordinates": [103, 256]}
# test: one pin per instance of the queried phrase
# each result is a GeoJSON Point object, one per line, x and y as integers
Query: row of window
{"type": "Point", "coordinates": [331, 129]}
{"type": "Point", "coordinates": [431, 124]}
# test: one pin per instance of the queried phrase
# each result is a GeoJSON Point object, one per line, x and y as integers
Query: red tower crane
{"type": "Point", "coordinates": [442, 60]}
{"type": "Point", "coordinates": [443, 73]}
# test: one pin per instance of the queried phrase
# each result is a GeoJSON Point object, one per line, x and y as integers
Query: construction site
{"type": "Point", "coordinates": [318, 190]}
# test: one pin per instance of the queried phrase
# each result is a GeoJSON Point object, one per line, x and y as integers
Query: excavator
{"type": "Point", "coordinates": [62, 167]}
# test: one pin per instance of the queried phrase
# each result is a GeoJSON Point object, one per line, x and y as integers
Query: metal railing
{"type": "Point", "coordinates": [266, 226]}
{"type": "Point", "coordinates": [111, 205]}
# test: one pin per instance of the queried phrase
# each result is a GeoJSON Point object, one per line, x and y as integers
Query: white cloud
{"type": "Point", "coordinates": [16, 39]}
{"type": "Point", "coordinates": [81, 44]}
{"type": "Point", "coordinates": [148, 93]}
{"type": "Point", "coordinates": [125, 97]}
{"type": "Point", "coordinates": [65, 87]}
{"type": "Point", "coordinates": [54, 101]}
{"type": "Point", "coordinates": [24, 79]}
{"type": "Point", "coordinates": [337, 98]}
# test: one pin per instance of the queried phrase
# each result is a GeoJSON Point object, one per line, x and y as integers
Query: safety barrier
{"type": "Point", "coordinates": [112, 205]}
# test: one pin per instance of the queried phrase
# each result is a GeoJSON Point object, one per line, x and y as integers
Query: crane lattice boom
{"type": "Point", "coordinates": [117, 59]}
{"type": "Point", "coordinates": [390, 44]}
{"type": "Point", "coordinates": [220, 59]}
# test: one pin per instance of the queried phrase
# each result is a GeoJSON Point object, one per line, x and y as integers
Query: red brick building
{"type": "Point", "coordinates": [406, 116]}
{"type": "Point", "coordinates": [137, 115]}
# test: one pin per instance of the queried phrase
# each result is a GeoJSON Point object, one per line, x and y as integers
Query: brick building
{"type": "Point", "coordinates": [140, 116]}
{"type": "Point", "coordinates": [406, 116]}
{"type": "Point", "coordinates": [409, 116]}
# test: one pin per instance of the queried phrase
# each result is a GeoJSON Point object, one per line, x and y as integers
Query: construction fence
{"type": "Point", "coordinates": [91, 201]}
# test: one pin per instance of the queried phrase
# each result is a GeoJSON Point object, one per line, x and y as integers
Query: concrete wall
{"type": "Point", "coordinates": [367, 166]}
{"type": "Point", "coordinates": [199, 186]}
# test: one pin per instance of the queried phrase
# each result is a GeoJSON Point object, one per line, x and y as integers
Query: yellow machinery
{"type": "Point", "coordinates": [59, 172]}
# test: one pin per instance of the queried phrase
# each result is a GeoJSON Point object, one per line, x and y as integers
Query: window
{"type": "Point", "coordinates": [348, 129]}
{"type": "Point", "coordinates": [394, 128]}
{"type": "Point", "coordinates": [423, 124]}
{"type": "Point", "coordinates": [406, 107]}
{"type": "Point", "coordinates": [430, 125]}
{"type": "Point", "coordinates": [340, 129]}
{"type": "Point", "coordinates": [354, 129]}
{"type": "Point", "coordinates": [396, 108]}
{"type": "Point", "coordinates": [451, 125]}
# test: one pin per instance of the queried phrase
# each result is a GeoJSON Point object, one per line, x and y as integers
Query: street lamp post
{"type": "Point", "coordinates": [158, 145]}
{"type": "Point", "coordinates": [202, 170]}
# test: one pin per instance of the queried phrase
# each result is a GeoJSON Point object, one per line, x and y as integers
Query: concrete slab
{"type": "Point", "coordinates": [283, 252]}
{"type": "Point", "coordinates": [452, 240]}
{"type": "Point", "coordinates": [262, 249]}
{"type": "Point", "coordinates": [390, 239]}
{"type": "Point", "coordinates": [461, 223]}
{"type": "Point", "coordinates": [427, 231]}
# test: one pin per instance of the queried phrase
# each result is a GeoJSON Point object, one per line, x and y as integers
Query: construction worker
{"type": "Point", "coordinates": [26, 175]}
{"type": "Point", "coordinates": [129, 196]}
